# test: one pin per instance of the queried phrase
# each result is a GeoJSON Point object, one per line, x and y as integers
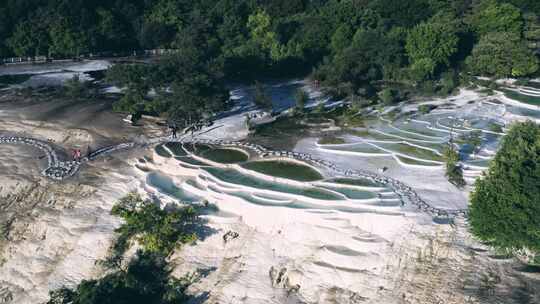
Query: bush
{"type": "Point", "coordinates": [473, 139]}
{"type": "Point", "coordinates": [156, 230]}
{"type": "Point", "coordinates": [301, 98]}
{"type": "Point", "coordinates": [331, 140]}
{"type": "Point", "coordinates": [505, 205]}
{"type": "Point", "coordinates": [494, 127]}
{"type": "Point", "coordinates": [449, 83]}
{"type": "Point", "coordinates": [146, 280]}
{"type": "Point", "coordinates": [76, 88]}
{"type": "Point", "coordinates": [426, 108]}
{"type": "Point", "coordinates": [389, 96]}
{"type": "Point", "coordinates": [260, 97]}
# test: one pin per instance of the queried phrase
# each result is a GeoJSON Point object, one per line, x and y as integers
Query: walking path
{"type": "Point", "coordinates": [60, 170]}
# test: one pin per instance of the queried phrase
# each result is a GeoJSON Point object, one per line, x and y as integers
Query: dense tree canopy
{"type": "Point", "coordinates": [497, 17]}
{"type": "Point", "coordinates": [430, 45]}
{"type": "Point", "coordinates": [502, 54]}
{"type": "Point", "coordinates": [505, 205]}
{"type": "Point", "coordinates": [353, 47]}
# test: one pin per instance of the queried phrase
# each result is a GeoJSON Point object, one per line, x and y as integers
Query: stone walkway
{"type": "Point", "coordinates": [56, 169]}
{"type": "Point", "coordinates": [60, 170]}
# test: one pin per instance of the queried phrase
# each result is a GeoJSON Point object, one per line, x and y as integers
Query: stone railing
{"type": "Point", "coordinates": [57, 170]}
{"type": "Point", "coordinates": [60, 170]}
{"type": "Point", "coordinates": [406, 193]}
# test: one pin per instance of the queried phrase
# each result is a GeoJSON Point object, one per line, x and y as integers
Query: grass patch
{"type": "Point", "coordinates": [331, 140]}
{"type": "Point", "coordinates": [413, 151]}
{"type": "Point", "coordinates": [225, 156]}
{"type": "Point", "coordinates": [372, 135]}
{"type": "Point", "coordinates": [411, 161]}
{"type": "Point", "coordinates": [418, 129]}
{"type": "Point", "coordinates": [317, 120]}
{"type": "Point", "coordinates": [285, 169]}
{"type": "Point", "coordinates": [522, 98]}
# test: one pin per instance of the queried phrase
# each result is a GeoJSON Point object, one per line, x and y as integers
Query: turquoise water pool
{"type": "Point", "coordinates": [235, 177]}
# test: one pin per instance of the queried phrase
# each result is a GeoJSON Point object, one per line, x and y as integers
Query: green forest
{"type": "Point", "coordinates": [354, 48]}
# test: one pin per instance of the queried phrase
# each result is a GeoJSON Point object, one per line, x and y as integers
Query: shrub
{"type": "Point", "coordinates": [426, 108]}
{"type": "Point", "coordinates": [301, 98]}
{"type": "Point", "coordinates": [331, 140]}
{"type": "Point", "coordinates": [388, 96]}
{"type": "Point", "coordinates": [156, 230]}
{"type": "Point", "coordinates": [494, 127]}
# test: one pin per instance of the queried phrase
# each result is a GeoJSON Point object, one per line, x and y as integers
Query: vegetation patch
{"type": "Point", "coordinates": [285, 169]}
{"type": "Point", "coordinates": [412, 151]}
{"type": "Point", "coordinates": [331, 140]}
{"type": "Point", "coordinates": [426, 108]}
{"type": "Point", "coordinates": [412, 161]}
{"type": "Point", "coordinates": [372, 135]}
{"type": "Point", "coordinates": [147, 277]}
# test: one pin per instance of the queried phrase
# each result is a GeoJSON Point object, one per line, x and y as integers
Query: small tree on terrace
{"type": "Point", "coordinates": [505, 205]}
{"type": "Point", "coordinates": [301, 99]}
{"type": "Point", "coordinates": [260, 97]}
{"type": "Point", "coordinates": [454, 173]}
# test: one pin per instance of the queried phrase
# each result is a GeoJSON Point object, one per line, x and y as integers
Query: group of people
{"type": "Point", "coordinates": [196, 127]}
{"type": "Point", "coordinates": [76, 154]}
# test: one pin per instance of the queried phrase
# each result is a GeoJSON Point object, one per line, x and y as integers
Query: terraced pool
{"type": "Point", "coordinates": [532, 100]}
{"type": "Point", "coordinates": [176, 148]}
{"type": "Point", "coordinates": [352, 193]}
{"type": "Point", "coordinates": [285, 169]}
{"type": "Point", "coordinates": [412, 161]}
{"type": "Point", "coordinates": [355, 182]}
{"type": "Point", "coordinates": [234, 177]}
{"type": "Point", "coordinates": [225, 156]}
{"type": "Point", "coordinates": [191, 161]}
{"type": "Point", "coordinates": [162, 152]}
{"type": "Point", "coordinates": [358, 147]}
{"type": "Point", "coordinates": [165, 185]}
{"type": "Point", "coordinates": [410, 150]}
